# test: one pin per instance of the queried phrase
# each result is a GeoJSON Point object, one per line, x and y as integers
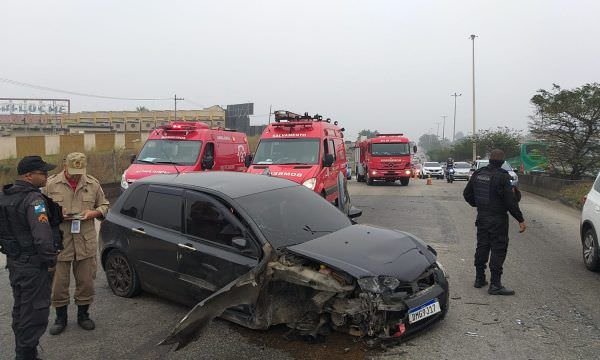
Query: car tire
{"type": "Point", "coordinates": [121, 276]}
{"type": "Point", "coordinates": [591, 252]}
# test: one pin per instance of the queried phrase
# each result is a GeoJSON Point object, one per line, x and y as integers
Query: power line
{"type": "Point", "coordinates": [38, 87]}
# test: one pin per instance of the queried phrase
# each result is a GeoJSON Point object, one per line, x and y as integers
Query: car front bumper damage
{"type": "Point", "coordinates": [311, 299]}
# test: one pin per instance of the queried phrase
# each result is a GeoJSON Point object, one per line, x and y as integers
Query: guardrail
{"type": "Point", "coordinates": [567, 191]}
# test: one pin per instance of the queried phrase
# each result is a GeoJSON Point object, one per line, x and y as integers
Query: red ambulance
{"type": "Point", "coordinates": [306, 149]}
{"type": "Point", "coordinates": [183, 146]}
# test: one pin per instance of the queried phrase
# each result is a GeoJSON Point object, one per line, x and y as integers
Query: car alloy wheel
{"type": "Point", "coordinates": [121, 276]}
{"type": "Point", "coordinates": [591, 257]}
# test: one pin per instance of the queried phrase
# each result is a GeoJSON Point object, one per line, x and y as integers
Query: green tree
{"type": "Point", "coordinates": [462, 150]}
{"type": "Point", "coordinates": [429, 142]}
{"type": "Point", "coordinates": [503, 138]}
{"type": "Point", "coordinates": [141, 109]}
{"type": "Point", "coordinates": [368, 133]}
{"type": "Point", "coordinates": [569, 122]}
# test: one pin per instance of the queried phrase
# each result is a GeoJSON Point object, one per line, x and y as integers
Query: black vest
{"type": "Point", "coordinates": [486, 188]}
{"type": "Point", "coordinates": [15, 234]}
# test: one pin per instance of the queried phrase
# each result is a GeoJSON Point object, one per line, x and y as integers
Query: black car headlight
{"type": "Point", "coordinates": [378, 284]}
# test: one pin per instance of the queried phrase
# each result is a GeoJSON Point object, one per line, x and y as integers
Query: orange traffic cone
{"type": "Point", "coordinates": [429, 182]}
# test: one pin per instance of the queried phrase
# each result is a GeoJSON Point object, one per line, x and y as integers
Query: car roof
{"type": "Point", "coordinates": [230, 183]}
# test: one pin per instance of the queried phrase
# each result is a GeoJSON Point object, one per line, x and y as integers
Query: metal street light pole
{"type": "Point", "coordinates": [454, 126]}
{"type": "Point", "coordinates": [438, 130]}
{"type": "Point", "coordinates": [444, 128]}
{"type": "Point", "coordinates": [474, 128]}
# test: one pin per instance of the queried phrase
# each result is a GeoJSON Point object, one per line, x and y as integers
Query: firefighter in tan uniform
{"type": "Point", "coordinates": [82, 200]}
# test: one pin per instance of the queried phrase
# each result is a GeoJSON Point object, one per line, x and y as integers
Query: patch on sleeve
{"type": "Point", "coordinates": [43, 218]}
{"type": "Point", "coordinates": [39, 207]}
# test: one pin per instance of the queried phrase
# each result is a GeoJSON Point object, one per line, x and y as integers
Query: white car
{"type": "Point", "coordinates": [590, 225]}
{"type": "Point", "coordinates": [433, 169]}
{"type": "Point", "coordinates": [514, 178]}
{"type": "Point", "coordinates": [461, 170]}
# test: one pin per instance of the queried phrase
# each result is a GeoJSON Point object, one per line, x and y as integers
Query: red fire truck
{"type": "Point", "coordinates": [183, 146]}
{"type": "Point", "coordinates": [306, 149]}
{"type": "Point", "coordinates": [385, 157]}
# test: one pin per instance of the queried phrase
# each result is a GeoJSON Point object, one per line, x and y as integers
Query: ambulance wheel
{"type": "Point", "coordinates": [121, 276]}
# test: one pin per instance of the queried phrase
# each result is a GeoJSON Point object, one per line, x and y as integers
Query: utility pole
{"type": "Point", "coordinates": [474, 128]}
{"type": "Point", "coordinates": [175, 98]}
{"type": "Point", "coordinates": [438, 130]}
{"type": "Point", "coordinates": [270, 111]}
{"type": "Point", "coordinates": [444, 128]}
{"type": "Point", "coordinates": [454, 126]}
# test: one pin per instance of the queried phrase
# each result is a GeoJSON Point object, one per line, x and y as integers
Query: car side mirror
{"type": "Point", "coordinates": [328, 160]}
{"type": "Point", "coordinates": [239, 243]}
{"type": "Point", "coordinates": [248, 160]}
{"type": "Point", "coordinates": [207, 163]}
{"type": "Point", "coordinates": [132, 159]}
{"type": "Point", "coordinates": [244, 246]}
{"type": "Point", "coordinates": [354, 212]}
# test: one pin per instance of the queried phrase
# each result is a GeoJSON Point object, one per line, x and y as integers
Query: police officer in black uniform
{"type": "Point", "coordinates": [489, 190]}
{"type": "Point", "coordinates": [30, 238]}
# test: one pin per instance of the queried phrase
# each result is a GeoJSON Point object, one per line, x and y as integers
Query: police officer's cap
{"type": "Point", "coordinates": [33, 163]}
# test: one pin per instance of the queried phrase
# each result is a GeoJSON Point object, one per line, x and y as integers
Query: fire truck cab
{"type": "Point", "coordinates": [385, 157]}
{"type": "Point", "coordinates": [184, 146]}
{"type": "Point", "coordinates": [308, 150]}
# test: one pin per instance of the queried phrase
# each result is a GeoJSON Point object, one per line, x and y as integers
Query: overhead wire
{"type": "Point", "coordinates": [45, 88]}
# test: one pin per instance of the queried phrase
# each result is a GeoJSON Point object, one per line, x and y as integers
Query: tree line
{"type": "Point", "coordinates": [567, 121]}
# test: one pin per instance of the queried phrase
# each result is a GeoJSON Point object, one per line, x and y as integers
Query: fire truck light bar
{"type": "Point", "coordinates": [290, 116]}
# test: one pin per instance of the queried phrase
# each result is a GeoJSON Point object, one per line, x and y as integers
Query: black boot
{"type": "Point", "coordinates": [61, 321]}
{"type": "Point", "coordinates": [83, 318]}
{"type": "Point", "coordinates": [480, 281]}
{"type": "Point", "coordinates": [25, 353]}
{"type": "Point", "coordinates": [499, 289]}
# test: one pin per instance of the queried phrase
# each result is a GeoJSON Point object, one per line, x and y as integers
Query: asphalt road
{"type": "Point", "coordinates": [554, 315]}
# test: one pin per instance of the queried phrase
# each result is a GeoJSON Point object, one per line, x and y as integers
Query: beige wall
{"type": "Point", "coordinates": [8, 147]}
{"type": "Point", "coordinates": [16, 147]}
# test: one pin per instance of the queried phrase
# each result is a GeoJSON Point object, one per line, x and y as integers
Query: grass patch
{"type": "Point", "coordinates": [573, 194]}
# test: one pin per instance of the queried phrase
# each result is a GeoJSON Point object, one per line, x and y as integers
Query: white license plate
{"type": "Point", "coordinates": [426, 310]}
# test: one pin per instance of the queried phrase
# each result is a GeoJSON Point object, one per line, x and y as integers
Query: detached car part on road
{"type": "Point", "coordinates": [261, 251]}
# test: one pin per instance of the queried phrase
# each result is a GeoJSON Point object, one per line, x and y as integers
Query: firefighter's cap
{"type": "Point", "coordinates": [76, 163]}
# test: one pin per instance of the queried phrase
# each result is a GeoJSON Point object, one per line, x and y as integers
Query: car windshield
{"type": "Point", "coordinates": [178, 152]}
{"type": "Point", "coordinates": [462, 165]}
{"type": "Point", "coordinates": [432, 164]}
{"type": "Point", "coordinates": [288, 151]}
{"type": "Point", "coordinates": [293, 215]}
{"type": "Point", "coordinates": [506, 166]}
{"type": "Point", "coordinates": [390, 149]}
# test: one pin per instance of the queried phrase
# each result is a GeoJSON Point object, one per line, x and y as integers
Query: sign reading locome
{"type": "Point", "coordinates": [34, 106]}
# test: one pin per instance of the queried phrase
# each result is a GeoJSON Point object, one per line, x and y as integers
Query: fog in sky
{"type": "Point", "coordinates": [385, 65]}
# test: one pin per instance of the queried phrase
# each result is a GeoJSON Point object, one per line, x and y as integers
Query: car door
{"type": "Point", "coordinates": [153, 241]}
{"type": "Point", "coordinates": [213, 254]}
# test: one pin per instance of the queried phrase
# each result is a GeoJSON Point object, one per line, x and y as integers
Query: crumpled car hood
{"type": "Point", "coordinates": [365, 250]}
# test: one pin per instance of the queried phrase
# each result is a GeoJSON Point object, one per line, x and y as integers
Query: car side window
{"type": "Point", "coordinates": [207, 219]}
{"type": "Point", "coordinates": [134, 204]}
{"type": "Point", "coordinates": [163, 210]}
{"type": "Point", "coordinates": [332, 149]}
{"type": "Point", "coordinates": [597, 184]}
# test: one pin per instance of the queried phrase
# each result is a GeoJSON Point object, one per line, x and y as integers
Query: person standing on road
{"type": "Point", "coordinates": [83, 200]}
{"type": "Point", "coordinates": [489, 190]}
{"type": "Point", "coordinates": [30, 238]}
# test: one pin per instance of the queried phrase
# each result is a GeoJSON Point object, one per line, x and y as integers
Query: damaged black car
{"type": "Point", "coordinates": [261, 251]}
